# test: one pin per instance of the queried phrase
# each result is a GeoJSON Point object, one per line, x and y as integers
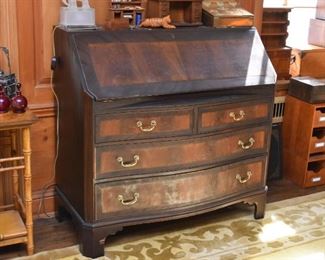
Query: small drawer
{"type": "Point", "coordinates": [126, 199]}
{"type": "Point", "coordinates": [149, 157]}
{"type": "Point", "coordinates": [141, 125]}
{"type": "Point", "coordinates": [317, 141]}
{"type": "Point", "coordinates": [319, 117]}
{"type": "Point", "coordinates": [315, 174]}
{"type": "Point", "coordinates": [218, 117]}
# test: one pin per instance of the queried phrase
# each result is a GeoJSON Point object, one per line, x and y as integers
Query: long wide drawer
{"type": "Point", "coordinates": [126, 199]}
{"type": "Point", "coordinates": [219, 117]}
{"type": "Point", "coordinates": [141, 125]}
{"type": "Point", "coordinates": [118, 160]}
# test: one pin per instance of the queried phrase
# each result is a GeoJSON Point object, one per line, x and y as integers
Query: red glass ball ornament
{"type": "Point", "coordinates": [4, 101]}
{"type": "Point", "coordinates": [19, 102]}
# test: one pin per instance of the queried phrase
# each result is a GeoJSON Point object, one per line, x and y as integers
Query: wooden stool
{"type": "Point", "coordinates": [13, 229]}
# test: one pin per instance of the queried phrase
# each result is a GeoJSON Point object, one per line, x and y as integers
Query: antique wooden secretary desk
{"type": "Point", "coordinates": [160, 124]}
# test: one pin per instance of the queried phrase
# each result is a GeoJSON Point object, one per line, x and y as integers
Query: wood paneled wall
{"type": "Point", "coordinates": [26, 29]}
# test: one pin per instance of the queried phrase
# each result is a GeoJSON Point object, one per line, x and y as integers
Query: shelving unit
{"type": "Point", "coordinates": [274, 34]}
{"type": "Point", "coordinates": [131, 11]}
{"type": "Point", "coordinates": [182, 13]}
{"type": "Point", "coordinates": [304, 142]}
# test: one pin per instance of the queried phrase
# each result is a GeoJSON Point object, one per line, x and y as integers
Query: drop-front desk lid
{"type": "Point", "coordinates": [140, 63]}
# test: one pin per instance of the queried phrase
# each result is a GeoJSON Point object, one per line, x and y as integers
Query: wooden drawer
{"type": "Point", "coordinates": [140, 125]}
{"type": "Point", "coordinates": [319, 117]}
{"type": "Point", "coordinates": [219, 117]}
{"type": "Point", "coordinates": [116, 160]}
{"type": "Point", "coordinates": [317, 144]}
{"type": "Point", "coordinates": [126, 199]}
{"type": "Point", "coordinates": [315, 174]}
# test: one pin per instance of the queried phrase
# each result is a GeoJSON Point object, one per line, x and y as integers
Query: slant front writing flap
{"type": "Point", "coordinates": [124, 64]}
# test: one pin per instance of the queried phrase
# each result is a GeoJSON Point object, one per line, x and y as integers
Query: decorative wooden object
{"type": "Point", "coordinates": [308, 61]}
{"type": "Point", "coordinates": [274, 35]}
{"type": "Point", "coordinates": [231, 15]}
{"type": "Point", "coordinates": [182, 13]}
{"type": "Point", "coordinates": [124, 13]}
{"type": "Point", "coordinates": [304, 142]}
{"type": "Point", "coordinates": [12, 229]}
{"type": "Point", "coordinates": [176, 124]}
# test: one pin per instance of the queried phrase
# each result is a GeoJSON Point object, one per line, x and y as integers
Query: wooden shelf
{"type": "Point", "coordinates": [124, 14]}
{"type": "Point", "coordinates": [276, 22]}
{"type": "Point", "coordinates": [126, 3]}
{"type": "Point", "coordinates": [304, 161]}
{"type": "Point", "coordinates": [123, 9]}
{"type": "Point", "coordinates": [12, 228]}
{"type": "Point", "coordinates": [275, 34]}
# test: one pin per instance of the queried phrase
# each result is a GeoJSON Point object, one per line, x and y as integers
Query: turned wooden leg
{"type": "Point", "coordinates": [28, 190]}
{"type": "Point", "coordinates": [15, 177]}
{"type": "Point", "coordinates": [92, 242]}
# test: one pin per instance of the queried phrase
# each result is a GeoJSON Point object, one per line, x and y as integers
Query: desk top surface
{"type": "Point", "coordinates": [144, 63]}
{"type": "Point", "coordinates": [12, 120]}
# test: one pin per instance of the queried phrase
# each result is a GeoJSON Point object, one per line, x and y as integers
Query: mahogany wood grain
{"type": "Point", "coordinates": [172, 155]}
{"type": "Point", "coordinates": [163, 193]}
{"type": "Point", "coordinates": [125, 126]}
{"type": "Point", "coordinates": [213, 118]}
{"type": "Point", "coordinates": [84, 164]}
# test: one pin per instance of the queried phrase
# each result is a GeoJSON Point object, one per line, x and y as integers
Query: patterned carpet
{"type": "Point", "coordinates": [291, 229]}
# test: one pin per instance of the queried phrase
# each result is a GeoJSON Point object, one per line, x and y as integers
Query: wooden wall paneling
{"type": "Point", "coordinates": [8, 38]}
{"type": "Point", "coordinates": [35, 20]}
{"type": "Point", "coordinates": [8, 33]}
{"type": "Point", "coordinates": [101, 10]}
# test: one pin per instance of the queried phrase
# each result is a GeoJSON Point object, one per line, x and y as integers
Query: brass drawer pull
{"type": "Point", "coordinates": [244, 180]}
{"type": "Point", "coordinates": [152, 126]}
{"type": "Point", "coordinates": [248, 145]}
{"type": "Point", "coordinates": [128, 164]}
{"type": "Point", "coordinates": [237, 117]}
{"type": "Point", "coordinates": [128, 202]}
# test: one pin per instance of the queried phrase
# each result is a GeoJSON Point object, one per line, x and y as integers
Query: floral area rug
{"type": "Point", "coordinates": [291, 225]}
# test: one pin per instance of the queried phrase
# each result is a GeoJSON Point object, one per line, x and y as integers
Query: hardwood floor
{"type": "Point", "coordinates": [50, 234]}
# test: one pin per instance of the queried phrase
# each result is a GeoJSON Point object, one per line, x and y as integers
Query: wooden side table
{"type": "Point", "coordinates": [16, 221]}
